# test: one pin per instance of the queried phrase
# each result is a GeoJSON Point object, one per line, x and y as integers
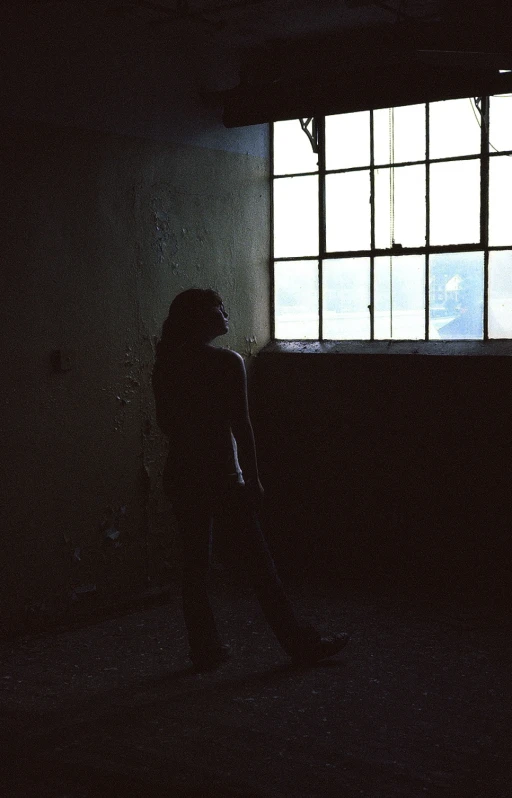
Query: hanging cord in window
{"type": "Point", "coordinates": [391, 120]}
{"type": "Point", "coordinates": [475, 107]}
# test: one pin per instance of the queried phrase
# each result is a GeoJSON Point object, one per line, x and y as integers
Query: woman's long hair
{"type": "Point", "coordinates": [186, 322]}
{"type": "Point", "coordinates": [186, 319]}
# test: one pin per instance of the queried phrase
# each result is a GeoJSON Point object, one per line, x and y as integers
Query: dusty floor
{"type": "Point", "coordinates": [417, 705]}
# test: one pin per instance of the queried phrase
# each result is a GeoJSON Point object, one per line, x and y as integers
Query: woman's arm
{"type": "Point", "coordinates": [241, 425]}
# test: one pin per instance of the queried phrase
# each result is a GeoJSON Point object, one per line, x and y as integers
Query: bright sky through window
{"type": "Point", "coordinates": [399, 229]}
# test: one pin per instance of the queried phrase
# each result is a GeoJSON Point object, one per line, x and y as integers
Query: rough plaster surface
{"type": "Point", "coordinates": [98, 234]}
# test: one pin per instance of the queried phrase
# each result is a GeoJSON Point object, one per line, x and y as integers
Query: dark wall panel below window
{"type": "Point", "coordinates": [388, 469]}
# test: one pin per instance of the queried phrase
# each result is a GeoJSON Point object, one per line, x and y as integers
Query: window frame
{"type": "Point", "coordinates": [483, 157]}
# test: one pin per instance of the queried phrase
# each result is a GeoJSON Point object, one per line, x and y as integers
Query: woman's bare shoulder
{"type": "Point", "coordinates": [229, 356]}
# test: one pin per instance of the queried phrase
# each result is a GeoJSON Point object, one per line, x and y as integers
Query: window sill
{"type": "Point", "coordinates": [500, 347]}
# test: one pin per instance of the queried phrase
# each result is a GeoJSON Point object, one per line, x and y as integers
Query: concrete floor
{"type": "Point", "coordinates": [417, 705]}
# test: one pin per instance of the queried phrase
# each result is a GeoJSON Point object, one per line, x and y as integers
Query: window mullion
{"type": "Point", "coordinates": [427, 219]}
{"type": "Point", "coordinates": [372, 231]}
{"type": "Point", "coordinates": [484, 204]}
{"type": "Point", "coordinates": [321, 220]}
{"type": "Point", "coordinates": [272, 270]}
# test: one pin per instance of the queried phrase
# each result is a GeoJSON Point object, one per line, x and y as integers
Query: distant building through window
{"type": "Point", "coordinates": [395, 224]}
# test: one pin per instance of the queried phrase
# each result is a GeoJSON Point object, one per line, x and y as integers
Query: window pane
{"type": "Point", "coordinates": [400, 206]}
{"type": "Point", "coordinates": [454, 129]}
{"type": "Point", "coordinates": [347, 211]}
{"type": "Point", "coordinates": [295, 216]}
{"type": "Point", "coordinates": [408, 142]}
{"type": "Point", "coordinates": [500, 294]}
{"type": "Point", "coordinates": [400, 297]}
{"type": "Point", "coordinates": [455, 202]}
{"type": "Point", "coordinates": [347, 140]}
{"type": "Point", "coordinates": [500, 122]}
{"type": "Point", "coordinates": [346, 299]}
{"type": "Point", "coordinates": [456, 295]}
{"type": "Point", "coordinates": [292, 149]}
{"type": "Point", "coordinates": [500, 199]}
{"type": "Point", "coordinates": [296, 299]}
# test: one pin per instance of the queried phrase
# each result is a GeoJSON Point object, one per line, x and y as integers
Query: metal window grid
{"type": "Point", "coordinates": [484, 156]}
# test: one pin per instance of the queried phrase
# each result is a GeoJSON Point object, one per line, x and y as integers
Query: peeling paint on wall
{"type": "Point", "coordinates": [251, 346]}
{"type": "Point", "coordinates": [166, 241]}
{"type": "Point", "coordinates": [111, 523]}
{"type": "Point", "coordinates": [104, 268]}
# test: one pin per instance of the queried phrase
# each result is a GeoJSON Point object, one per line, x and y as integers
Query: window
{"type": "Point", "coordinates": [399, 227]}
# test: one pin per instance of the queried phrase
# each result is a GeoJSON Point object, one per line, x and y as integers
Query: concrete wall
{"type": "Point", "coordinates": [98, 233]}
{"type": "Point", "coordinates": [120, 187]}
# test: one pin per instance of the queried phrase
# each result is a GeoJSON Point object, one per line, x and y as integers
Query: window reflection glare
{"type": "Point", "coordinates": [296, 300]}
{"type": "Point", "coordinates": [347, 140]}
{"type": "Point", "coordinates": [456, 295]}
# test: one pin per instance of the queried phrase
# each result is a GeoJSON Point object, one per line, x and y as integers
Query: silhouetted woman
{"type": "Point", "coordinates": [212, 472]}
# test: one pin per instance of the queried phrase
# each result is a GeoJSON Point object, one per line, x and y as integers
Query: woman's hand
{"type": "Point", "coordinates": [255, 491]}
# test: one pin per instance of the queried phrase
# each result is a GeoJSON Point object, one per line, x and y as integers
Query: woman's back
{"type": "Point", "coordinates": [193, 394]}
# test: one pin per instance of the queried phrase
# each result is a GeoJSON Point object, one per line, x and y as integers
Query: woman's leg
{"type": "Point", "coordinates": [248, 542]}
{"type": "Point", "coordinates": [195, 523]}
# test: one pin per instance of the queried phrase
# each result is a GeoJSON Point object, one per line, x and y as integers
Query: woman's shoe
{"type": "Point", "coordinates": [211, 659]}
{"type": "Point", "coordinates": [321, 649]}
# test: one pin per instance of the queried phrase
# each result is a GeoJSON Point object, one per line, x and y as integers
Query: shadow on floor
{"type": "Point", "coordinates": [417, 705]}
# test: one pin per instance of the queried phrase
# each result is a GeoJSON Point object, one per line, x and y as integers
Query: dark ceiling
{"type": "Point", "coordinates": [249, 23]}
{"type": "Point", "coordinates": [253, 23]}
{"type": "Point", "coordinates": [287, 50]}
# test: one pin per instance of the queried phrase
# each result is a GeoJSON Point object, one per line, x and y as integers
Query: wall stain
{"type": "Point", "coordinates": [166, 242]}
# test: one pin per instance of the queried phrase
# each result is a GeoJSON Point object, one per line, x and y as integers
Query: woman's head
{"type": "Point", "coordinates": [196, 314]}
